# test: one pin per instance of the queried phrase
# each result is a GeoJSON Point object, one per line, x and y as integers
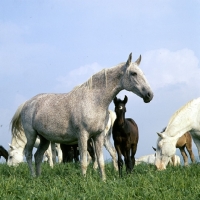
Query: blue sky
{"type": "Point", "coordinates": [52, 46]}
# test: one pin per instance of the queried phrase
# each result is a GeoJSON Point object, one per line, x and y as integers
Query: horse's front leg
{"type": "Point", "coordinates": [98, 143]}
{"type": "Point", "coordinates": [82, 144]}
{"type": "Point", "coordinates": [120, 161]}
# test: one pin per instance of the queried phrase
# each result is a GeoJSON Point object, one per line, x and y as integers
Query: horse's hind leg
{"type": "Point", "coordinates": [189, 149]}
{"type": "Point", "coordinates": [43, 146]}
{"type": "Point", "coordinates": [184, 154]}
{"type": "Point", "coordinates": [28, 150]}
{"type": "Point", "coordinates": [111, 149]}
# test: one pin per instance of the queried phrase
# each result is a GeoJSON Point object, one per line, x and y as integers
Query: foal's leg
{"type": "Point", "coordinates": [120, 161]}
{"type": "Point", "coordinates": [189, 149]}
{"type": "Point", "coordinates": [111, 149]}
{"type": "Point", "coordinates": [133, 152]}
{"type": "Point", "coordinates": [98, 143]}
{"type": "Point", "coordinates": [43, 146]}
{"type": "Point", "coordinates": [184, 154]}
{"type": "Point", "coordinates": [31, 138]}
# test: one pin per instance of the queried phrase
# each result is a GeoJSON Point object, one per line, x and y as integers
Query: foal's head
{"type": "Point", "coordinates": [120, 106]}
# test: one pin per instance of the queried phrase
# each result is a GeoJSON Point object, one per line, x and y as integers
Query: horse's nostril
{"type": "Point", "coordinates": [148, 94]}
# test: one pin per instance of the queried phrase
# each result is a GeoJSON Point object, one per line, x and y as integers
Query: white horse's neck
{"type": "Point", "coordinates": [106, 84]}
{"type": "Point", "coordinates": [184, 120]}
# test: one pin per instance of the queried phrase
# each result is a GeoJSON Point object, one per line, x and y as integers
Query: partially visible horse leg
{"type": "Point", "coordinates": [59, 152]}
{"type": "Point", "coordinates": [98, 143]}
{"type": "Point", "coordinates": [53, 150]}
{"type": "Point", "coordinates": [31, 138]}
{"type": "Point", "coordinates": [43, 146]}
{"type": "Point", "coordinates": [90, 149]}
{"type": "Point", "coordinates": [76, 153]}
{"type": "Point", "coordinates": [184, 154]}
{"type": "Point", "coordinates": [133, 152]}
{"type": "Point", "coordinates": [49, 156]}
{"type": "Point", "coordinates": [189, 149]}
{"type": "Point", "coordinates": [120, 161]}
{"type": "Point", "coordinates": [82, 144]}
{"type": "Point", "coordinates": [128, 161]}
{"type": "Point", "coordinates": [196, 140]}
{"type": "Point", "coordinates": [172, 161]}
{"type": "Point", "coordinates": [111, 149]}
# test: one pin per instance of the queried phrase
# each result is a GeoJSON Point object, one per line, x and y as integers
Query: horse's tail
{"type": "Point", "coordinates": [16, 126]}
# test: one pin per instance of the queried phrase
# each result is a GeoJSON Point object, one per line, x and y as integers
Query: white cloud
{"type": "Point", "coordinates": [167, 68]}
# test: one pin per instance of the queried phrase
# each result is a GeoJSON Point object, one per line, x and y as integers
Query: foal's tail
{"type": "Point", "coordinates": [16, 126]}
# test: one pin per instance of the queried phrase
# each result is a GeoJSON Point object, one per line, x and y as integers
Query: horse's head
{"type": "Point", "coordinates": [15, 156]}
{"type": "Point", "coordinates": [120, 106]}
{"type": "Point", "coordinates": [166, 148]}
{"type": "Point", "coordinates": [134, 80]}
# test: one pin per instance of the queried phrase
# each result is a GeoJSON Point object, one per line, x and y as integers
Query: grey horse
{"type": "Point", "coordinates": [78, 115]}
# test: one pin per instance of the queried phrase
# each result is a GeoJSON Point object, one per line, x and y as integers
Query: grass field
{"type": "Point", "coordinates": [66, 182]}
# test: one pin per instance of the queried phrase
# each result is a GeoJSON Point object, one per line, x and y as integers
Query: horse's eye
{"type": "Point", "coordinates": [133, 74]}
{"type": "Point", "coordinates": [10, 157]}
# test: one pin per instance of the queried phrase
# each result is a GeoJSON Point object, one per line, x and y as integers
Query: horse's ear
{"type": "Point", "coordinates": [161, 135]}
{"type": "Point", "coordinates": [115, 100]}
{"type": "Point", "coordinates": [125, 99]}
{"type": "Point", "coordinates": [128, 62]}
{"type": "Point", "coordinates": [154, 148]}
{"type": "Point", "coordinates": [12, 147]}
{"type": "Point", "coordinates": [138, 60]}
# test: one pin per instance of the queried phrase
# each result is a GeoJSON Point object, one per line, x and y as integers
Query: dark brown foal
{"type": "Point", "coordinates": [125, 136]}
{"type": "Point", "coordinates": [3, 152]}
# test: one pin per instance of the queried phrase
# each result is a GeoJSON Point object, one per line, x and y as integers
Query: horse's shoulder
{"type": "Point", "coordinates": [132, 121]}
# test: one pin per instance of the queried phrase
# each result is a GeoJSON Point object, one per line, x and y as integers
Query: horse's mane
{"type": "Point", "coordinates": [91, 82]}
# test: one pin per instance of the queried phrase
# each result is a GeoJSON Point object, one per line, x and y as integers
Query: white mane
{"type": "Point", "coordinates": [183, 115]}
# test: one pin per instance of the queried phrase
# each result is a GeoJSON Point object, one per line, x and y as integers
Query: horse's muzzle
{"type": "Point", "coordinates": [148, 97]}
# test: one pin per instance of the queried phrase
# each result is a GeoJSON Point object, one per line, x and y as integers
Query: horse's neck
{"type": "Point", "coordinates": [4, 153]}
{"type": "Point", "coordinates": [106, 84]}
{"type": "Point", "coordinates": [184, 120]}
{"type": "Point", "coordinates": [121, 119]}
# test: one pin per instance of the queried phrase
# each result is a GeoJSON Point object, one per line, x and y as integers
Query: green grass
{"type": "Point", "coordinates": [67, 182]}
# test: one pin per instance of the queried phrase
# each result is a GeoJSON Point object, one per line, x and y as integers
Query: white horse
{"type": "Point", "coordinates": [80, 114]}
{"type": "Point", "coordinates": [187, 118]}
{"type": "Point", "coordinates": [16, 151]}
{"type": "Point", "coordinates": [150, 159]}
